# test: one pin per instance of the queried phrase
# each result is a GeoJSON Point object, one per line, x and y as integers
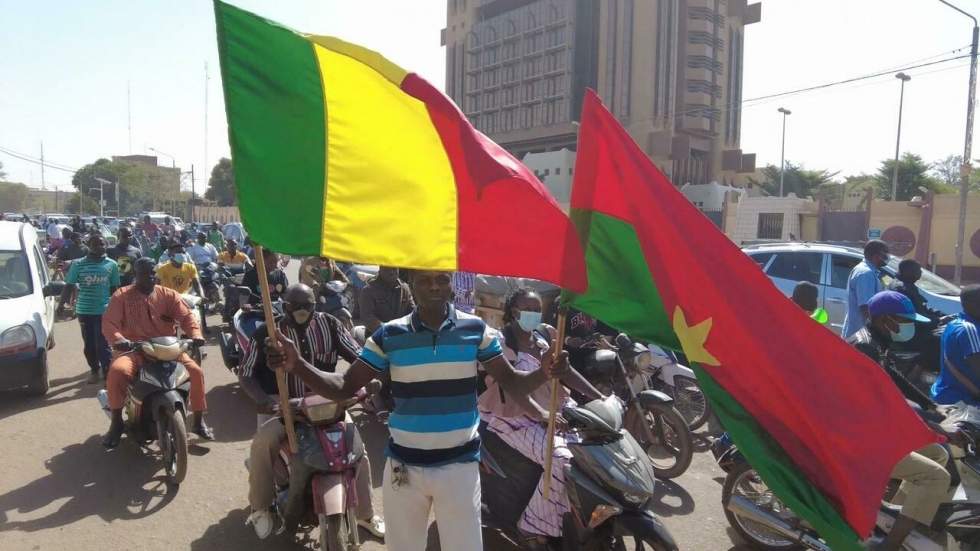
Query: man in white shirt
{"type": "Point", "coordinates": [202, 252]}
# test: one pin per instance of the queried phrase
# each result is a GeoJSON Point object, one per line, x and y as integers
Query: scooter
{"type": "Point", "coordinates": [211, 276]}
{"type": "Point", "coordinates": [609, 483]}
{"type": "Point", "coordinates": [762, 520]}
{"type": "Point", "coordinates": [316, 487]}
{"type": "Point", "coordinates": [650, 414]}
{"type": "Point", "coordinates": [679, 382]}
{"type": "Point", "coordinates": [235, 339]}
{"type": "Point", "coordinates": [156, 404]}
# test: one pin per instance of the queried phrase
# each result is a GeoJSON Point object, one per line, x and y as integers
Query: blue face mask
{"type": "Point", "coordinates": [529, 320]}
{"type": "Point", "coordinates": [905, 332]}
{"type": "Point", "coordinates": [179, 258]}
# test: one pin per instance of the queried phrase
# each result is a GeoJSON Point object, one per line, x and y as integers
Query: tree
{"type": "Point", "coordinates": [2, 173]}
{"type": "Point", "coordinates": [141, 186]}
{"type": "Point", "coordinates": [913, 174]}
{"type": "Point", "coordinates": [798, 180]}
{"type": "Point", "coordinates": [89, 205]}
{"type": "Point", "coordinates": [948, 169]}
{"type": "Point", "coordinates": [13, 196]}
{"type": "Point", "coordinates": [221, 186]}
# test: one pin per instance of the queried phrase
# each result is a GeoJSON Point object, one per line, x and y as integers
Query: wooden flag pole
{"type": "Point", "coordinates": [270, 323]}
{"type": "Point", "coordinates": [553, 408]}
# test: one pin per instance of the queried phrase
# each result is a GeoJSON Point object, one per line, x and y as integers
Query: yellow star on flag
{"type": "Point", "coordinates": [693, 338]}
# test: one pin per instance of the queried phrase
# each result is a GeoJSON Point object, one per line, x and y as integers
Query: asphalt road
{"type": "Point", "coordinates": [59, 489]}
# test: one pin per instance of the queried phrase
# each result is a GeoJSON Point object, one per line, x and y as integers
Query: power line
{"type": "Point", "coordinates": [35, 160]}
{"type": "Point", "coordinates": [854, 79]}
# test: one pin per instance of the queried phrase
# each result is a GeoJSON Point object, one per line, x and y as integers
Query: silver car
{"type": "Point", "coordinates": [828, 267]}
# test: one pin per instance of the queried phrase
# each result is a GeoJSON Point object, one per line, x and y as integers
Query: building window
{"type": "Point", "coordinates": [770, 225]}
{"type": "Point", "coordinates": [558, 171]}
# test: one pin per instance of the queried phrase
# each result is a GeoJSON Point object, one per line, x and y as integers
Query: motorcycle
{"type": "Point", "coordinates": [316, 487]}
{"type": "Point", "coordinates": [233, 274]}
{"type": "Point", "coordinates": [211, 276]}
{"type": "Point", "coordinates": [679, 382]}
{"type": "Point", "coordinates": [609, 482]}
{"type": "Point", "coordinates": [763, 521]}
{"type": "Point", "coordinates": [196, 305]}
{"type": "Point", "coordinates": [650, 414]}
{"type": "Point", "coordinates": [235, 339]}
{"type": "Point", "coordinates": [156, 403]}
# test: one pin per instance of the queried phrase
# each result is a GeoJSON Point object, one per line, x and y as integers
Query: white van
{"type": "Point", "coordinates": [29, 300]}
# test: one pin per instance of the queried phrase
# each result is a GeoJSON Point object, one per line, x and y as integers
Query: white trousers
{"type": "Point", "coordinates": [452, 491]}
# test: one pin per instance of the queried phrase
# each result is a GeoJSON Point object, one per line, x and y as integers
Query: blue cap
{"type": "Point", "coordinates": [894, 303]}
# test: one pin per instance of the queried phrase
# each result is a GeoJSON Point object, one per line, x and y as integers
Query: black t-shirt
{"type": "Point", "coordinates": [277, 283]}
{"type": "Point", "coordinates": [125, 256]}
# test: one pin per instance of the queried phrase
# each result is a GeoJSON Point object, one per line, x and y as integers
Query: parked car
{"type": "Point", "coordinates": [828, 267]}
{"type": "Point", "coordinates": [27, 316]}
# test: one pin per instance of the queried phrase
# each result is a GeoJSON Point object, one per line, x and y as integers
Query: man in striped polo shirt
{"type": "Point", "coordinates": [433, 356]}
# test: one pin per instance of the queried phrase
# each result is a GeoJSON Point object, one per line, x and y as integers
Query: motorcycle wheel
{"type": "Point", "coordinates": [333, 532]}
{"type": "Point", "coordinates": [690, 402]}
{"type": "Point", "coordinates": [172, 439]}
{"type": "Point", "coordinates": [743, 481]}
{"type": "Point", "coordinates": [203, 311]}
{"type": "Point", "coordinates": [673, 450]}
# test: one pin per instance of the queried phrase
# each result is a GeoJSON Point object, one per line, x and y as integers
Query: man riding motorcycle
{"type": "Point", "coordinates": [140, 312]}
{"type": "Point", "coordinates": [321, 339]}
{"type": "Point", "coordinates": [925, 480]}
{"type": "Point", "coordinates": [178, 273]}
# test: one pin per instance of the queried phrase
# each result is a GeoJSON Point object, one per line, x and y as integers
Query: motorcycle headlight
{"type": "Point", "coordinates": [635, 500]}
{"type": "Point", "coordinates": [17, 339]}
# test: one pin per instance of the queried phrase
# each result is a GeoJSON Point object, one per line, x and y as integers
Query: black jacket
{"type": "Point", "coordinates": [875, 345]}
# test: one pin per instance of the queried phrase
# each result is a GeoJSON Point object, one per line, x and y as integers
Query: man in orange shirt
{"type": "Point", "coordinates": [139, 312]}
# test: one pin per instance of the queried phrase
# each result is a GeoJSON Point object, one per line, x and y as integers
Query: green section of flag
{"type": "Point", "coordinates": [621, 289]}
{"type": "Point", "coordinates": [276, 127]}
{"type": "Point", "coordinates": [769, 459]}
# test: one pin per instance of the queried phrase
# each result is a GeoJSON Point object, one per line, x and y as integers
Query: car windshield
{"type": "Point", "coordinates": [930, 282]}
{"type": "Point", "coordinates": [15, 275]}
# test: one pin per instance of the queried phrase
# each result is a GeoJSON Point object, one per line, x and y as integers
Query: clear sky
{"type": "Point", "coordinates": [66, 65]}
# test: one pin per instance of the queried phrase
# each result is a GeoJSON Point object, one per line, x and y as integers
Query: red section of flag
{"type": "Point", "coordinates": [508, 222]}
{"type": "Point", "coordinates": [836, 413]}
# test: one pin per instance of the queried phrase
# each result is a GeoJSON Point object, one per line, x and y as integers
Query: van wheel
{"type": "Point", "coordinates": [39, 384]}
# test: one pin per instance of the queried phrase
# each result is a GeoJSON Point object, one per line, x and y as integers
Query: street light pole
{"type": "Point", "coordinates": [782, 156]}
{"type": "Point", "coordinates": [173, 164]}
{"type": "Point", "coordinates": [901, 98]}
{"type": "Point", "coordinates": [967, 149]}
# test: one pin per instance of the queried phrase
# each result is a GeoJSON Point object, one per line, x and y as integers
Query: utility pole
{"type": "Point", "coordinates": [967, 149]}
{"type": "Point", "coordinates": [42, 165]}
{"type": "Point", "coordinates": [129, 118]}
{"type": "Point", "coordinates": [206, 78]}
{"type": "Point", "coordinates": [190, 204]}
{"type": "Point", "coordinates": [782, 156]}
{"type": "Point", "coordinates": [102, 182]}
{"type": "Point", "coordinates": [901, 98]}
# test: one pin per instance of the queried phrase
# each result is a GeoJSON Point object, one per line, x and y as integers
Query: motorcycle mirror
{"type": "Point", "coordinates": [623, 341]}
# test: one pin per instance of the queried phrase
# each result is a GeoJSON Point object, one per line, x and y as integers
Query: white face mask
{"type": "Point", "coordinates": [529, 320]}
{"type": "Point", "coordinates": [905, 332]}
{"type": "Point", "coordinates": [301, 316]}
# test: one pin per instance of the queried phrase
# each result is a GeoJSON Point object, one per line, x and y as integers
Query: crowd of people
{"type": "Point", "coordinates": [431, 352]}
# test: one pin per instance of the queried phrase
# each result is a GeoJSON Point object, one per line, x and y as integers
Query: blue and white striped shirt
{"type": "Point", "coordinates": [434, 384]}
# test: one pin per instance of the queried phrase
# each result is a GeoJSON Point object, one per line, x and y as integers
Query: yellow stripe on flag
{"type": "Point", "coordinates": [390, 194]}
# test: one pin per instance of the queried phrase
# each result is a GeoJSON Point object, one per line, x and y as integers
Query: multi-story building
{"type": "Point", "coordinates": [670, 70]}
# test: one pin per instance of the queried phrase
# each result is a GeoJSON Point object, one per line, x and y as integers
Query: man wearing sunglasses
{"type": "Point", "coordinates": [321, 339]}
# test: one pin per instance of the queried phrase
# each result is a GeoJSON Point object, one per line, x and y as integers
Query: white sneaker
{"type": "Point", "coordinates": [262, 522]}
{"type": "Point", "coordinates": [375, 525]}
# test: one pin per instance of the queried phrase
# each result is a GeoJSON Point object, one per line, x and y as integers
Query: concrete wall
{"type": "Point", "coordinates": [555, 170]}
{"type": "Point", "coordinates": [742, 217]}
{"type": "Point", "coordinates": [221, 214]}
{"type": "Point", "coordinates": [932, 228]}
